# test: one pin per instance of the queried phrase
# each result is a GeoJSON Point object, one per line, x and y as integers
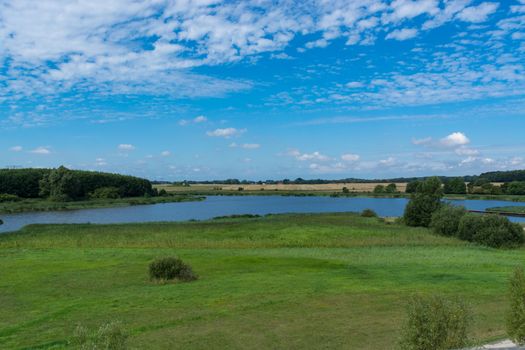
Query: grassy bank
{"type": "Point", "coordinates": [508, 209]}
{"type": "Point", "coordinates": [37, 204]}
{"type": "Point", "coordinates": [281, 281]}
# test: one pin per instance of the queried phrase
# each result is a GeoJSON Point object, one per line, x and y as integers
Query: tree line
{"type": "Point", "coordinates": [65, 184]}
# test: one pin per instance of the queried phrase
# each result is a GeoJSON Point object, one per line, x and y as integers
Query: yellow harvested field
{"type": "Point", "coordinates": [330, 187]}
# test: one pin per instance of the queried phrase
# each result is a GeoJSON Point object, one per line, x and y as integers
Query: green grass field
{"type": "Point", "coordinates": [40, 204]}
{"type": "Point", "coordinates": [279, 282]}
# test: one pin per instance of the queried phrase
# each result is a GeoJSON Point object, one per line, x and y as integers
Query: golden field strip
{"type": "Point", "coordinates": [330, 187]}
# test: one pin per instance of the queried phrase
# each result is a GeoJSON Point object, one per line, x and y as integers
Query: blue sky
{"type": "Point", "coordinates": [263, 89]}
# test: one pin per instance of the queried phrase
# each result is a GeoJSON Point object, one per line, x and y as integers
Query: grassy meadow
{"type": "Point", "coordinates": [280, 282]}
{"type": "Point", "coordinates": [42, 204]}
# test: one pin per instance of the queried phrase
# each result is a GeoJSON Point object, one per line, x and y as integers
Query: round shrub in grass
{"type": "Point", "coordinates": [445, 220]}
{"type": "Point", "coordinates": [171, 268]}
{"type": "Point", "coordinates": [490, 230]}
{"type": "Point", "coordinates": [516, 312]}
{"type": "Point", "coordinates": [368, 213]}
{"type": "Point", "coordinates": [437, 323]}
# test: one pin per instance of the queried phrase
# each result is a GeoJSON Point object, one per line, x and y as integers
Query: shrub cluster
{"type": "Point", "coordinates": [105, 193]}
{"type": "Point", "coordinates": [436, 323]}
{"type": "Point", "coordinates": [170, 268]}
{"type": "Point", "coordinates": [490, 230]}
{"type": "Point", "coordinates": [5, 197]}
{"type": "Point", "coordinates": [423, 202]}
{"type": "Point", "coordinates": [368, 213]}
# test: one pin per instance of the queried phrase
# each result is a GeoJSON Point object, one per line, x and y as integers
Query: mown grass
{"type": "Point", "coordinates": [39, 204]}
{"type": "Point", "coordinates": [280, 281]}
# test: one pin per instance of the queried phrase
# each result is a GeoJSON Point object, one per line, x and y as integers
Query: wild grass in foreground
{"type": "Point", "coordinates": [280, 281]}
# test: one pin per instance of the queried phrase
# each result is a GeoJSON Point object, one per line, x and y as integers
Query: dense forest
{"type": "Point", "coordinates": [66, 184]}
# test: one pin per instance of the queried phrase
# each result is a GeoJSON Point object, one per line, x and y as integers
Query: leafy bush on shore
{"type": "Point", "coordinates": [423, 203]}
{"type": "Point", "coordinates": [490, 230]}
{"type": "Point", "coordinates": [435, 322]}
{"type": "Point", "coordinates": [445, 220]}
{"type": "Point", "coordinates": [171, 268]}
{"type": "Point", "coordinates": [5, 197]}
{"type": "Point", "coordinates": [368, 213]}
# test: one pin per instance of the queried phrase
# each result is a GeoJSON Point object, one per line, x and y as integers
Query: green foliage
{"type": "Point", "coordinates": [64, 184]}
{"type": "Point", "coordinates": [171, 268]}
{"type": "Point", "coordinates": [109, 336]}
{"type": "Point", "coordinates": [21, 182]}
{"type": "Point", "coordinates": [105, 193]}
{"type": "Point", "coordinates": [445, 220]}
{"type": "Point", "coordinates": [455, 186]}
{"type": "Point", "coordinates": [412, 186]}
{"type": "Point", "coordinates": [162, 192]}
{"type": "Point", "coordinates": [379, 189]}
{"type": "Point", "coordinates": [490, 230]}
{"type": "Point", "coordinates": [516, 311]}
{"type": "Point", "coordinates": [423, 203]}
{"type": "Point", "coordinates": [368, 213]}
{"type": "Point", "coordinates": [436, 323]}
{"type": "Point", "coordinates": [514, 188]}
{"type": "Point", "coordinates": [73, 184]}
{"type": "Point", "coordinates": [5, 197]}
{"type": "Point", "coordinates": [346, 190]}
{"type": "Point", "coordinates": [504, 176]}
{"type": "Point", "coordinates": [391, 188]}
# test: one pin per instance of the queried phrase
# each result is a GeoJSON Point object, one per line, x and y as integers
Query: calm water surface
{"type": "Point", "coordinates": [226, 205]}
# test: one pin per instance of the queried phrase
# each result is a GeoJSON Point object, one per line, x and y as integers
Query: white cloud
{"type": "Point", "coordinates": [349, 157]}
{"type": "Point", "coordinates": [16, 149]}
{"type": "Point", "coordinates": [165, 153]}
{"type": "Point", "coordinates": [245, 145]}
{"type": "Point", "coordinates": [126, 147]}
{"type": "Point", "coordinates": [455, 139]}
{"type": "Point", "coordinates": [465, 151]}
{"type": "Point", "coordinates": [41, 150]}
{"type": "Point", "coordinates": [402, 34]}
{"type": "Point", "coordinates": [196, 120]}
{"type": "Point", "coordinates": [226, 132]}
{"type": "Point", "coordinates": [354, 84]}
{"type": "Point", "coordinates": [424, 141]}
{"type": "Point", "coordinates": [390, 161]}
{"type": "Point", "coordinates": [314, 156]}
{"type": "Point", "coordinates": [478, 14]}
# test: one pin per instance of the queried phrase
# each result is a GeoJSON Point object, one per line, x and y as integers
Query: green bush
{"type": "Point", "coordinates": [379, 189]}
{"type": "Point", "coordinates": [170, 268]}
{"type": "Point", "coordinates": [435, 323]}
{"type": "Point", "coordinates": [423, 203]}
{"type": "Point", "coordinates": [368, 213]}
{"type": "Point", "coordinates": [346, 190]}
{"type": "Point", "coordinates": [5, 197]}
{"type": "Point", "coordinates": [105, 193]}
{"type": "Point", "coordinates": [391, 188]}
{"type": "Point", "coordinates": [516, 312]}
{"type": "Point", "coordinates": [490, 230]}
{"type": "Point", "coordinates": [445, 220]}
{"type": "Point", "coordinates": [163, 193]}
{"type": "Point", "coordinates": [109, 336]}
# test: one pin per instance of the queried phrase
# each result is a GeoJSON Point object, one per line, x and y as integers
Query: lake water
{"type": "Point", "coordinates": [226, 205]}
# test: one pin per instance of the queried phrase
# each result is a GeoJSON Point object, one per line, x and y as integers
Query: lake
{"type": "Point", "coordinates": [226, 205]}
